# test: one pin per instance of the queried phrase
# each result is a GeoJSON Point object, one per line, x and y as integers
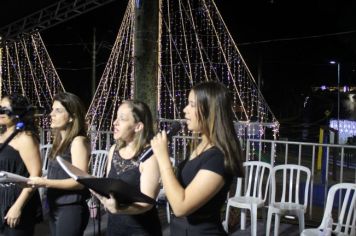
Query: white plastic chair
{"type": "Point", "coordinates": [98, 165]}
{"type": "Point", "coordinates": [287, 201]}
{"type": "Point", "coordinates": [257, 181]}
{"type": "Point", "coordinates": [45, 149]}
{"type": "Point", "coordinates": [345, 223]}
{"type": "Point", "coordinates": [98, 162]}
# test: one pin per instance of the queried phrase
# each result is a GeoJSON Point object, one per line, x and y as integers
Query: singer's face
{"type": "Point", "coordinates": [4, 118]}
{"type": "Point", "coordinates": [124, 125]}
{"type": "Point", "coordinates": [59, 116]}
{"type": "Point", "coordinates": [191, 113]}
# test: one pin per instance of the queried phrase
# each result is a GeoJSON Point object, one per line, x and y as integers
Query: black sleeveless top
{"type": "Point", "coordinates": [63, 196]}
{"type": "Point", "coordinates": [11, 161]}
{"type": "Point", "coordinates": [146, 223]}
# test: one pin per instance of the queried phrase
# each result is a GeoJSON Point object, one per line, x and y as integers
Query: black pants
{"type": "Point", "coordinates": [68, 220]}
{"type": "Point", "coordinates": [31, 215]}
{"type": "Point", "coordinates": [23, 231]}
{"type": "Point", "coordinates": [181, 227]}
{"type": "Point", "coordinates": [145, 224]}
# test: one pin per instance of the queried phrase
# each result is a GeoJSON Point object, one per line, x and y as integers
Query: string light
{"type": "Point", "coordinates": [203, 49]}
{"type": "Point", "coordinates": [195, 45]}
{"type": "Point", "coordinates": [116, 83]}
{"type": "Point", "coordinates": [27, 69]}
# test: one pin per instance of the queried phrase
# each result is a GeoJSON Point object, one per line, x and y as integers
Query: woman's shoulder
{"type": "Point", "coordinates": [213, 156]}
{"type": "Point", "coordinates": [26, 138]}
{"type": "Point", "coordinates": [25, 141]}
{"type": "Point", "coordinates": [213, 151]}
{"type": "Point", "coordinates": [214, 160]}
{"type": "Point", "coordinates": [80, 140]}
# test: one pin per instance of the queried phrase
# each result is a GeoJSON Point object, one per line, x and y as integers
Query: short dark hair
{"type": "Point", "coordinates": [20, 112]}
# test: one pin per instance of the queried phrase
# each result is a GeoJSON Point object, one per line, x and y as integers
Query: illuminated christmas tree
{"type": "Point", "coordinates": [195, 46]}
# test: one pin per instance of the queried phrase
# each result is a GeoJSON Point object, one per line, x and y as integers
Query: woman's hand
{"type": "Point", "coordinates": [110, 204]}
{"type": "Point", "coordinates": [159, 145]}
{"type": "Point", "coordinates": [13, 216]}
{"type": "Point", "coordinates": [36, 182]}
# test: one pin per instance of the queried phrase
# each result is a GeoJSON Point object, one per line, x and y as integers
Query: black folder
{"type": "Point", "coordinates": [123, 192]}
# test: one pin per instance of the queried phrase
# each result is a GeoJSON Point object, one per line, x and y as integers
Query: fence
{"type": "Point", "coordinates": [100, 140]}
{"type": "Point", "coordinates": [329, 164]}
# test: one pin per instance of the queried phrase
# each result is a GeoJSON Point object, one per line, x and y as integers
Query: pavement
{"type": "Point", "coordinates": [286, 229]}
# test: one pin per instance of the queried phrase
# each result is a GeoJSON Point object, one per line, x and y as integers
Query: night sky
{"type": "Point", "coordinates": [288, 44]}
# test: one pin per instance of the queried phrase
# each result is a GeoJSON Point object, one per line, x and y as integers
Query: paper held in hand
{"type": "Point", "coordinates": [72, 171]}
{"type": "Point", "coordinates": [7, 177]}
{"type": "Point", "coordinates": [122, 191]}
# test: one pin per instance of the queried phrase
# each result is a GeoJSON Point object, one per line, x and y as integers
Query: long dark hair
{"type": "Point", "coordinates": [215, 116]}
{"type": "Point", "coordinates": [21, 111]}
{"type": "Point", "coordinates": [74, 106]}
{"type": "Point", "coordinates": [141, 113]}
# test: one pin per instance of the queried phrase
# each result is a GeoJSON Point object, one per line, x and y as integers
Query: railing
{"type": "Point", "coordinates": [45, 136]}
{"type": "Point", "coordinates": [100, 140]}
{"type": "Point", "coordinates": [329, 163]}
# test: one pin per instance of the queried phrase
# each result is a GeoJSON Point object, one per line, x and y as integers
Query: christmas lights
{"type": "Point", "coordinates": [27, 69]}
{"type": "Point", "coordinates": [194, 46]}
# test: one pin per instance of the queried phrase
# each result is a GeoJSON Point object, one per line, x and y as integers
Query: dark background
{"type": "Point", "coordinates": [287, 44]}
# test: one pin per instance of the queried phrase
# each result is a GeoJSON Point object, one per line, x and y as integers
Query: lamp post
{"type": "Point", "coordinates": [338, 98]}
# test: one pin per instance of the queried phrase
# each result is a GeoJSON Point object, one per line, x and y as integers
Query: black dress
{"type": "Point", "coordinates": [68, 209]}
{"type": "Point", "coordinates": [11, 161]}
{"type": "Point", "coordinates": [207, 219]}
{"type": "Point", "coordinates": [146, 223]}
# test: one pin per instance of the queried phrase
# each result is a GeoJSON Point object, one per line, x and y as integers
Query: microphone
{"type": "Point", "coordinates": [173, 130]}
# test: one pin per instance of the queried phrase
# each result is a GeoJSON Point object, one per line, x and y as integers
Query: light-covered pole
{"type": "Point", "coordinates": [338, 98]}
